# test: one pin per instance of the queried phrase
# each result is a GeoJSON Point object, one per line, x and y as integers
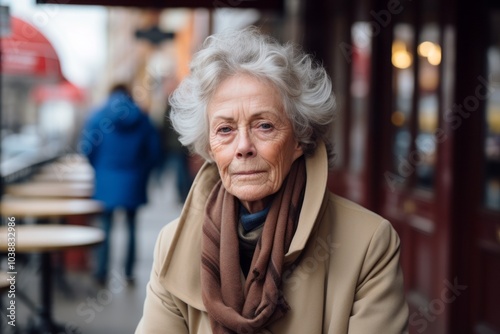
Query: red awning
{"type": "Point", "coordinates": [64, 90]}
{"type": "Point", "coordinates": [27, 52]}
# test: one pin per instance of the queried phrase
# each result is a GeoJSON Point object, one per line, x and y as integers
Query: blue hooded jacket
{"type": "Point", "coordinates": [123, 146]}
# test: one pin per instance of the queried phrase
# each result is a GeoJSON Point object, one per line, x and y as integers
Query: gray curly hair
{"type": "Point", "coordinates": [304, 85]}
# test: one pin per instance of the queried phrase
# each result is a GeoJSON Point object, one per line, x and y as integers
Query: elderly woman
{"type": "Point", "coordinates": [261, 245]}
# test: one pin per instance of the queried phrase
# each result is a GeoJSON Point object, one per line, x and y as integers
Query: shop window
{"type": "Point", "coordinates": [361, 35]}
{"type": "Point", "coordinates": [429, 58]}
{"type": "Point", "coordinates": [492, 118]}
{"type": "Point", "coordinates": [416, 60]}
{"type": "Point", "coordinates": [403, 89]}
{"type": "Point", "coordinates": [340, 89]}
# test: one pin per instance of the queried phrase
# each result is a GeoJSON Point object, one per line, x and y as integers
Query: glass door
{"type": "Point", "coordinates": [412, 177]}
{"type": "Point", "coordinates": [353, 33]}
{"type": "Point", "coordinates": [486, 245]}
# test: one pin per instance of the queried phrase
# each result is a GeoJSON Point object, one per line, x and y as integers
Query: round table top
{"type": "Point", "coordinates": [47, 208]}
{"type": "Point", "coordinates": [51, 189]}
{"type": "Point", "coordinates": [53, 237]}
{"type": "Point", "coordinates": [56, 168]}
{"type": "Point", "coordinates": [64, 177]}
{"type": "Point", "coordinates": [74, 158]}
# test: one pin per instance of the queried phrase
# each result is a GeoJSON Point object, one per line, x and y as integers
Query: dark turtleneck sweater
{"type": "Point", "coordinates": [249, 231]}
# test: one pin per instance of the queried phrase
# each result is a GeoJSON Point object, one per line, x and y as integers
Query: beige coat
{"type": "Point", "coordinates": [347, 280]}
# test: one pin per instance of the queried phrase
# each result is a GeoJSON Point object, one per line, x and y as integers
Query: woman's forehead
{"type": "Point", "coordinates": [244, 93]}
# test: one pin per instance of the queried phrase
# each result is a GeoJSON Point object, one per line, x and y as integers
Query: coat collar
{"type": "Point", "coordinates": [180, 272]}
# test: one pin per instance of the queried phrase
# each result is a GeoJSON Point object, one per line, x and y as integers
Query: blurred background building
{"type": "Point", "coordinates": [417, 122]}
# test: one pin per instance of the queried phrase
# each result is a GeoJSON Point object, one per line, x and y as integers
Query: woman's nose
{"type": "Point", "coordinates": [246, 148]}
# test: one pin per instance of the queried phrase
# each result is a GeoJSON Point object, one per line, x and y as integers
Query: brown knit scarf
{"type": "Point", "coordinates": [231, 308]}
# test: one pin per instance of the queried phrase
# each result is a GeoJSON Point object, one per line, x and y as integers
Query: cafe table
{"type": "Point", "coordinates": [53, 202]}
{"type": "Point", "coordinates": [51, 189]}
{"type": "Point", "coordinates": [36, 238]}
{"type": "Point", "coordinates": [48, 207]}
{"type": "Point", "coordinates": [72, 159]}
{"type": "Point", "coordinates": [45, 239]}
{"type": "Point", "coordinates": [64, 176]}
{"type": "Point", "coordinates": [61, 167]}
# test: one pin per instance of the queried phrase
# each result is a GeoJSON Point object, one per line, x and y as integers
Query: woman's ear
{"type": "Point", "coordinates": [298, 151]}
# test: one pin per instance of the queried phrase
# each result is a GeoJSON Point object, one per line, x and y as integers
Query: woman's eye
{"type": "Point", "coordinates": [224, 129]}
{"type": "Point", "coordinates": [266, 126]}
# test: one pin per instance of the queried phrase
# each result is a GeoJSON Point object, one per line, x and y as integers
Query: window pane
{"type": "Point", "coordinates": [492, 140]}
{"type": "Point", "coordinates": [340, 89]}
{"type": "Point", "coordinates": [429, 59]}
{"type": "Point", "coordinates": [360, 91]}
{"type": "Point", "coordinates": [403, 88]}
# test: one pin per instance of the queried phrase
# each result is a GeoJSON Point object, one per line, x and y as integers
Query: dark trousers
{"type": "Point", "coordinates": [103, 252]}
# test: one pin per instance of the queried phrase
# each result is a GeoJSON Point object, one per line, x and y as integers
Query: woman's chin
{"type": "Point", "coordinates": [252, 199]}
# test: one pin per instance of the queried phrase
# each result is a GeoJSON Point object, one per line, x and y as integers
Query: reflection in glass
{"type": "Point", "coordinates": [429, 59]}
{"type": "Point", "coordinates": [492, 140]}
{"type": "Point", "coordinates": [403, 87]}
{"type": "Point", "coordinates": [341, 92]}
{"type": "Point", "coordinates": [361, 34]}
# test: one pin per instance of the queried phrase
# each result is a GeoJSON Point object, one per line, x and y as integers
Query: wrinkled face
{"type": "Point", "coordinates": [251, 139]}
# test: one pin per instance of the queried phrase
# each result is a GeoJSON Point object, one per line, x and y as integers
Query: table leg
{"type": "Point", "coordinates": [47, 323]}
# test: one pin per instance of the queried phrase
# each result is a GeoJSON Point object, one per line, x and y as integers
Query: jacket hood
{"type": "Point", "coordinates": [186, 242]}
{"type": "Point", "coordinates": [123, 112]}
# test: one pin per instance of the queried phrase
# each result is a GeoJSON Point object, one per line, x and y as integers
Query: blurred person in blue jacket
{"type": "Point", "coordinates": [123, 146]}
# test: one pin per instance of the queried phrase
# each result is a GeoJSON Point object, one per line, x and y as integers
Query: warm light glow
{"type": "Point", "coordinates": [493, 118]}
{"type": "Point", "coordinates": [398, 46]}
{"type": "Point", "coordinates": [434, 56]}
{"type": "Point", "coordinates": [431, 51]}
{"type": "Point", "coordinates": [424, 48]}
{"type": "Point", "coordinates": [398, 118]}
{"type": "Point", "coordinates": [428, 121]}
{"type": "Point", "coordinates": [401, 59]}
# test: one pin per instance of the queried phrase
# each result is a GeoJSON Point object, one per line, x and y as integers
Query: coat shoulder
{"type": "Point", "coordinates": [350, 212]}
{"type": "Point", "coordinates": [346, 206]}
{"type": "Point", "coordinates": [351, 221]}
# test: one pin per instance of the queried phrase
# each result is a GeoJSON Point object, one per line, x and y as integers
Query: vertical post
{"type": "Point", "coordinates": [4, 31]}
